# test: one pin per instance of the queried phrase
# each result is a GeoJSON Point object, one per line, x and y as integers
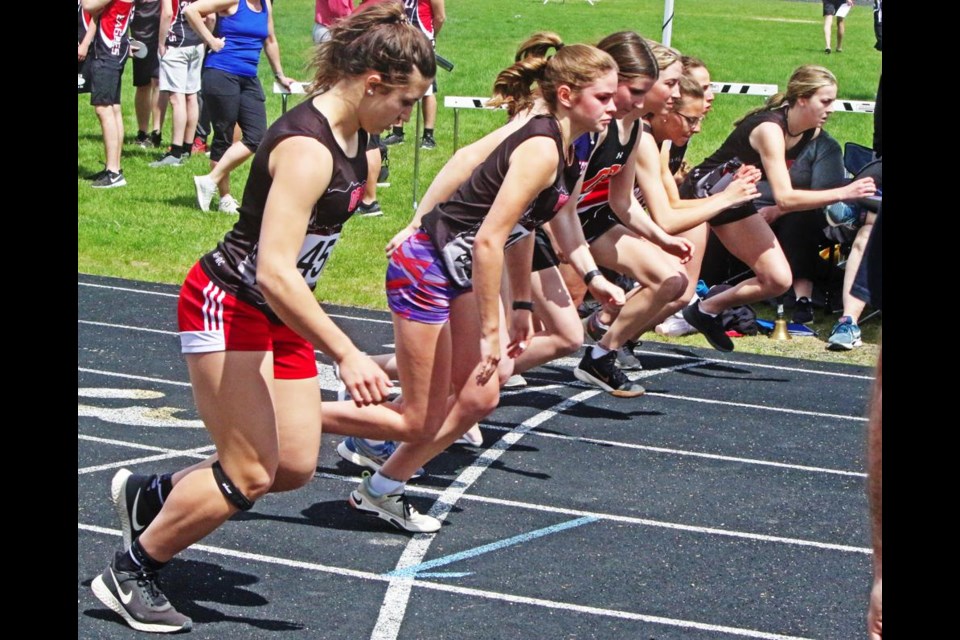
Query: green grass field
{"type": "Point", "coordinates": [152, 230]}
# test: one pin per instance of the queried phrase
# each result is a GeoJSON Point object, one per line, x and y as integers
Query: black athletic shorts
{"type": "Point", "coordinates": [544, 256]}
{"type": "Point", "coordinates": [597, 222]}
{"type": "Point", "coordinates": [830, 6]}
{"type": "Point", "coordinates": [104, 82]}
{"type": "Point", "coordinates": [147, 68]}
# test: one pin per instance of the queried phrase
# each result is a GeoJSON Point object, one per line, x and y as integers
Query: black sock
{"type": "Point", "coordinates": [185, 148]}
{"type": "Point", "coordinates": [427, 133]}
{"type": "Point", "coordinates": [136, 560]}
{"type": "Point", "coordinates": [398, 131]}
{"type": "Point", "coordinates": [176, 150]}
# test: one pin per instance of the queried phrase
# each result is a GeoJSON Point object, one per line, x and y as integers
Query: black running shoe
{"type": "Point", "coordinates": [710, 326]}
{"type": "Point", "coordinates": [136, 512]}
{"type": "Point", "coordinates": [109, 179]}
{"type": "Point", "coordinates": [802, 311]}
{"type": "Point", "coordinates": [137, 598]}
{"type": "Point", "coordinates": [393, 138]}
{"type": "Point", "coordinates": [604, 373]}
{"type": "Point", "coordinates": [427, 142]}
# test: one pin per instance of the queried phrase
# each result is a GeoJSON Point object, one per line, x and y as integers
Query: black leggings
{"type": "Point", "coordinates": [231, 100]}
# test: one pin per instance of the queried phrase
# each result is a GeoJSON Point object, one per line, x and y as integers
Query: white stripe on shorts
{"type": "Point", "coordinates": [213, 307]}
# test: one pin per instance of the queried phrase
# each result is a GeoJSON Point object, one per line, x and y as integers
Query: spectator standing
{"type": "Point", "coordinates": [231, 88]}
{"type": "Point", "coordinates": [429, 15]}
{"type": "Point", "coordinates": [111, 46]}
{"type": "Point", "coordinates": [838, 9]}
{"type": "Point", "coordinates": [145, 29]}
{"type": "Point", "coordinates": [86, 30]}
{"type": "Point", "coordinates": [181, 63]}
{"type": "Point", "coordinates": [325, 13]}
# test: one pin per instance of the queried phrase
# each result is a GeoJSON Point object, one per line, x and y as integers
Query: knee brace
{"type": "Point", "coordinates": [230, 490]}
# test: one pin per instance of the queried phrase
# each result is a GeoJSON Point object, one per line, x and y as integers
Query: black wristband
{"type": "Point", "coordinates": [590, 275]}
{"type": "Point", "coordinates": [523, 304]}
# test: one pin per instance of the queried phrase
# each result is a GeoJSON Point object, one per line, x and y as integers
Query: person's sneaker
{"type": "Point", "coordinates": [142, 140]}
{"type": "Point", "coordinates": [427, 142]}
{"type": "Point", "coordinates": [595, 329]}
{"type": "Point", "coordinates": [674, 326]}
{"type": "Point", "coordinates": [841, 214]}
{"type": "Point", "coordinates": [473, 436]}
{"type": "Point", "coordinates": [604, 373]}
{"type": "Point", "coordinates": [155, 139]}
{"type": "Point", "coordinates": [136, 512]}
{"type": "Point", "coordinates": [169, 160]}
{"type": "Point", "coordinates": [109, 180]}
{"type": "Point", "coordinates": [229, 205]}
{"type": "Point", "coordinates": [137, 598]}
{"type": "Point", "coordinates": [393, 508]}
{"type": "Point", "coordinates": [384, 175]}
{"type": "Point", "coordinates": [206, 188]}
{"type": "Point", "coordinates": [199, 146]}
{"type": "Point", "coordinates": [97, 175]}
{"type": "Point", "coordinates": [362, 454]}
{"type": "Point", "coordinates": [515, 382]}
{"type": "Point", "coordinates": [802, 311]}
{"type": "Point", "coordinates": [627, 359]}
{"type": "Point", "coordinates": [369, 210]}
{"type": "Point", "coordinates": [393, 138]}
{"type": "Point", "coordinates": [844, 336]}
{"type": "Point", "coordinates": [710, 327]}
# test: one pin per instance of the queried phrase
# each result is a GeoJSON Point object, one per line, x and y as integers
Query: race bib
{"type": "Point", "coordinates": [314, 253]}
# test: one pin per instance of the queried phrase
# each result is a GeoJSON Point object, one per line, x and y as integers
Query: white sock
{"type": "Point", "coordinates": [598, 351]}
{"type": "Point", "coordinates": [382, 485]}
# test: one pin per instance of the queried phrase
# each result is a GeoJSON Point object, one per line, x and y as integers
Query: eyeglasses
{"type": "Point", "coordinates": [692, 121]}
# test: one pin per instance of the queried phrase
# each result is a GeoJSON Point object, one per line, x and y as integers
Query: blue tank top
{"type": "Point", "coordinates": [244, 33]}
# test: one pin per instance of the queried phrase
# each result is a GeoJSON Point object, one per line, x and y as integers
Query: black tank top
{"type": "Point", "coordinates": [607, 160]}
{"type": "Point", "coordinates": [453, 225]}
{"type": "Point", "coordinates": [233, 264]}
{"type": "Point", "coordinates": [737, 144]}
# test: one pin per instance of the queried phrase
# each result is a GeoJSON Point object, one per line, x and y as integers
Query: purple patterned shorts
{"type": "Point", "coordinates": [418, 288]}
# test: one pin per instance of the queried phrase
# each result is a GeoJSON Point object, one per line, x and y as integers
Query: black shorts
{"type": "Point", "coordinates": [104, 82]}
{"type": "Point", "coordinates": [727, 215]}
{"type": "Point", "coordinates": [830, 6]}
{"type": "Point", "coordinates": [544, 256]}
{"type": "Point", "coordinates": [147, 68]}
{"type": "Point", "coordinates": [868, 284]}
{"type": "Point", "coordinates": [83, 75]}
{"type": "Point", "coordinates": [598, 221]}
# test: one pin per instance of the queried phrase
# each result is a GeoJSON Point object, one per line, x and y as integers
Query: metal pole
{"type": "Point", "coordinates": [416, 158]}
{"type": "Point", "coordinates": [666, 32]}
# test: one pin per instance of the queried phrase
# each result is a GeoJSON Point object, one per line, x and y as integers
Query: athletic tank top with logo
{"type": "Point", "coordinates": [453, 225]}
{"type": "Point", "coordinates": [607, 160]}
{"type": "Point", "coordinates": [233, 264]}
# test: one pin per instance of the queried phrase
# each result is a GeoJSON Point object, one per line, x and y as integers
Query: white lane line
{"type": "Point", "coordinates": [747, 405]}
{"type": "Point", "coordinates": [681, 452]}
{"type": "Point", "coordinates": [163, 453]}
{"type": "Point", "coordinates": [729, 533]}
{"type": "Point", "coordinates": [394, 606]}
{"type": "Point", "coordinates": [328, 382]}
{"type": "Point", "coordinates": [110, 325]}
{"type": "Point", "coordinates": [570, 362]}
{"type": "Point", "coordinates": [465, 591]}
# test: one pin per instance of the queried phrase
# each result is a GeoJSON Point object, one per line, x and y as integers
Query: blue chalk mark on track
{"type": "Point", "coordinates": [418, 570]}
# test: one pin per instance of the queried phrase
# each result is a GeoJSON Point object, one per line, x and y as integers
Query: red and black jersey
{"type": "Point", "coordinates": [113, 40]}
{"type": "Point", "coordinates": [233, 264]}
{"type": "Point", "coordinates": [181, 34]}
{"type": "Point", "coordinates": [606, 160]}
{"type": "Point", "coordinates": [420, 13]}
{"type": "Point", "coordinates": [83, 22]}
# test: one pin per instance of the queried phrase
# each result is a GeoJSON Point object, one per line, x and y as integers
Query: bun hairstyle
{"type": "Point", "coordinates": [575, 65]}
{"type": "Point", "coordinates": [803, 83]}
{"type": "Point", "coordinates": [376, 37]}
{"type": "Point", "coordinates": [632, 54]}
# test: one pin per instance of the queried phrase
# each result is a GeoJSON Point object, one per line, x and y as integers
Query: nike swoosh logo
{"type": "Point", "coordinates": [125, 597]}
{"type": "Point", "coordinates": [134, 523]}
